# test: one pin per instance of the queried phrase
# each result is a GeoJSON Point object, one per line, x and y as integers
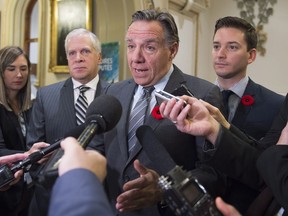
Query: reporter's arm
{"type": "Point", "coordinates": [78, 190]}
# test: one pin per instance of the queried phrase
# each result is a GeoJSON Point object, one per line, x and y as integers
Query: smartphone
{"type": "Point", "coordinates": [165, 96]}
{"type": "Point", "coordinates": [182, 90]}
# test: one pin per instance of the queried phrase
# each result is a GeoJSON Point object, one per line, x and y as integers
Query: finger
{"type": "Point", "coordinates": [70, 145]}
{"type": "Point", "coordinates": [142, 170]}
{"type": "Point", "coordinates": [12, 158]}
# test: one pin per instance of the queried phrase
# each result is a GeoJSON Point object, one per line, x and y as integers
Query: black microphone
{"type": "Point", "coordinates": [36, 156]}
{"type": "Point", "coordinates": [102, 115]}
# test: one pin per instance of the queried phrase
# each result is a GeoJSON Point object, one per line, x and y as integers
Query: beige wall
{"type": "Point", "coordinates": [268, 70]}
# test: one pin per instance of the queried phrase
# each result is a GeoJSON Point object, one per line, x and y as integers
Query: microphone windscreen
{"type": "Point", "coordinates": [106, 110]}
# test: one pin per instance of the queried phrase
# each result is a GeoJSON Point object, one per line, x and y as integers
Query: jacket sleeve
{"type": "Point", "coordinates": [78, 192]}
{"type": "Point", "coordinates": [273, 166]}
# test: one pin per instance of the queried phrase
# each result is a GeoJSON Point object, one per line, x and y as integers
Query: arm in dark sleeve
{"type": "Point", "coordinates": [237, 158]}
{"type": "Point", "coordinates": [273, 166]}
{"type": "Point", "coordinates": [36, 126]}
{"type": "Point", "coordinates": [79, 192]}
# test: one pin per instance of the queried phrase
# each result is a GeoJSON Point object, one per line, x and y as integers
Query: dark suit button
{"type": "Point", "coordinates": [126, 178]}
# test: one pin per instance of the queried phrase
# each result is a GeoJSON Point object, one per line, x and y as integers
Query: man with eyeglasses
{"type": "Point", "coordinates": [60, 107]}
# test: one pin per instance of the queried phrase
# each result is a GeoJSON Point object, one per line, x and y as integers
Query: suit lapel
{"type": "Point", "coordinates": [125, 97]}
{"type": "Point", "coordinates": [175, 80]}
{"type": "Point", "coordinates": [243, 111]}
{"type": "Point", "coordinates": [67, 102]}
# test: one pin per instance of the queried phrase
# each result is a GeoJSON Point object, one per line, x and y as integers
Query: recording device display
{"type": "Point", "coordinates": [165, 96]}
{"type": "Point", "coordinates": [185, 195]}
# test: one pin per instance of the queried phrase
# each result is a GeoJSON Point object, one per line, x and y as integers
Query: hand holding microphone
{"type": "Point", "coordinates": [75, 157]}
{"type": "Point", "coordinates": [102, 115]}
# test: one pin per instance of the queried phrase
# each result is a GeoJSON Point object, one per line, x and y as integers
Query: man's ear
{"type": "Point", "coordinates": [174, 49]}
{"type": "Point", "coordinates": [252, 55]}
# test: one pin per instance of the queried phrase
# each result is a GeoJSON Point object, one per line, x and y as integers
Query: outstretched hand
{"type": "Point", "coordinates": [141, 192]}
{"type": "Point", "coordinates": [194, 118]}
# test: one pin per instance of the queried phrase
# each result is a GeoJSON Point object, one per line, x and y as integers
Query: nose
{"type": "Point", "coordinates": [19, 73]}
{"type": "Point", "coordinates": [79, 57]}
{"type": "Point", "coordinates": [221, 52]}
{"type": "Point", "coordinates": [137, 55]}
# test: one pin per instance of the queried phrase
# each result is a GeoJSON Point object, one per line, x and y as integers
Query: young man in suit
{"type": "Point", "coordinates": [252, 107]}
{"type": "Point", "coordinates": [152, 43]}
{"type": "Point", "coordinates": [54, 110]}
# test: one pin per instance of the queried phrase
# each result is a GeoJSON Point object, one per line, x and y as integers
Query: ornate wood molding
{"type": "Point", "coordinates": [189, 7]}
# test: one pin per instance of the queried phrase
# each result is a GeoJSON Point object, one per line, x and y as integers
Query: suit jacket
{"type": "Point", "coordinates": [182, 147]}
{"type": "Point", "coordinates": [255, 121]}
{"type": "Point", "coordinates": [12, 141]}
{"type": "Point", "coordinates": [78, 193]}
{"type": "Point", "coordinates": [53, 115]}
{"type": "Point", "coordinates": [238, 145]}
{"type": "Point", "coordinates": [272, 165]}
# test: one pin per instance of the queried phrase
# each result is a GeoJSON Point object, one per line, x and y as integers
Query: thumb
{"type": "Point", "coordinates": [142, 170]}
{"type": "Point", "coordinates": [70, 145]}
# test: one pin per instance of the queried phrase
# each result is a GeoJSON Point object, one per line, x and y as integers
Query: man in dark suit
{"type": "Point", "coordinates": [251, 107]}
{"type": "Point", "coordinates": [152, 43]}
{"type": "Point", "coordinates": [54, 112]}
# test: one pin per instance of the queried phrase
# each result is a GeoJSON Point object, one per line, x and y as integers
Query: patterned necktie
{"type": "Point", "coordinates": [137, 116]}
{"type": "Point", "coordinates": [81, 105]}
{"type": "Point", "coordinates": [225, 96]}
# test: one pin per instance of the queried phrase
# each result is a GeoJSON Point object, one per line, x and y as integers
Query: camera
{"type": "Point", "coordinates": [6, 175]}
{"type": "Point", "coordinates": [185, 195]}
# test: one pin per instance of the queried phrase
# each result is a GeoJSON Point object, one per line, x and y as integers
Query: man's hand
{"type": "Point", "coordinates": [226, 209]}
{"type": "Point", "coordinates": [217, 115]}
{"type": "Point", "coordinates": [9, 160]}
{"type": "Point", "coordinates": [193, 119]}
{"type": "Point", "coordinates": [283, 140]}
{"type": "Point", "coordinates": [141, 192]}
{"type": "Point", "coordinates": [76, 157]}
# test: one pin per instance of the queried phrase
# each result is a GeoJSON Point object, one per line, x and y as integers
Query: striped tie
{"type": "Point", "coordinates": [137, 116]}
{"type": "Point", "coordinates": [81, 105]}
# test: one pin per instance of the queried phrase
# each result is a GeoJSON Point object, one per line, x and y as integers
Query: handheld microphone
{"type": "Point", "coordinates": [101, 116]}
{"type": "Point", "coordinates": [36, 156]}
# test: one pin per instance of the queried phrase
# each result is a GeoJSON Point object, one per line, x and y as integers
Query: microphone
{"type": "Point", "coordinates": [101, 116]}
{"type": "Point", "coordinates": [36, 156]}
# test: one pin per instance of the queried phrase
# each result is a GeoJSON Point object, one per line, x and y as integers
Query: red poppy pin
{"type": "Point", "coordinates": [156, 113]}
{"type": "Point", "coordinates": [247, 100]}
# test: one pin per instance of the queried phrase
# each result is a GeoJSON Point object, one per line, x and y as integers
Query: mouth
{"type": "Point", "coordinates": [137, 70]}
{"type": "Point", "coordinates": [79, 68]}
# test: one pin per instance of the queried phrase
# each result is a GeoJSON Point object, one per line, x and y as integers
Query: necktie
{"type": "Point", "coordinates": [225, 96]}
{"type": "Point", "coordinates": [137, 116]}
{"type": "Point", "coordinates": [81, 105]}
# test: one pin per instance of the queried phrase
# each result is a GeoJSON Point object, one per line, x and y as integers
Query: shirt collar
{"type": "Point", "coordinates": [92, 84]}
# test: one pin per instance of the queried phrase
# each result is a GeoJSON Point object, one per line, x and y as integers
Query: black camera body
{"type": "Point", "coordinates": [185, 195]}
{"type": "Point", "coordinates": [6, 175]}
